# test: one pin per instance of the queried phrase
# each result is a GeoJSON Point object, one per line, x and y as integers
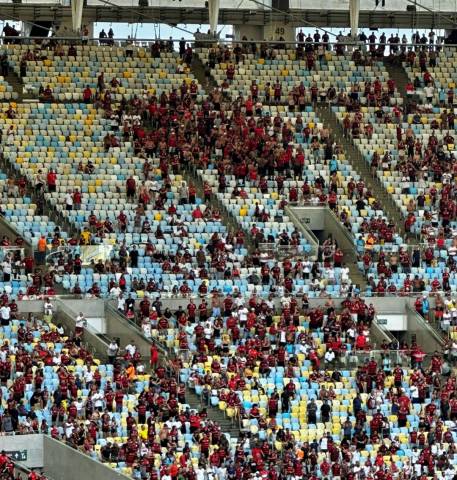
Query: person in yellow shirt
{"type": "Point", "coordinates": [86, 237]}
{"type": "Point", "coordinates": [143, 432]}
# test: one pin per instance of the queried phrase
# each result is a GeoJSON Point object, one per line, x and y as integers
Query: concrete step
{"type": "Point", "coordinates": [48, 209]}
{"type": "Point", "coordinates": [358, 162]}
{"type": "Point", "coordinates": [227, 218]}
{"type": "Point", "coordinates": [398, 74]}
{"type": "Point", "coordinates": [16, 82]}
{"type": "Point", "coordinates": [214, 414]}
{"type": "Point", "coordinates": [198, 69]}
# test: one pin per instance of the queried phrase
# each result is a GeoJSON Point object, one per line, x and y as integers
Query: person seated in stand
{"type": "Point", "coordinates": [87, 94]}
{"type": "Point", "coordinates": [72, 51]}
{"type": "Point", "coordinates": [46, 94]}
{"type": "Point", "coordinates": [10, 112]}
{"type": "Point", "coordinates": [115, 83]}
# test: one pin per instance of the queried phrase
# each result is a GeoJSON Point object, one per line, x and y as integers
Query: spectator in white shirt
{"type": "Point", "coordinates": [48, 308]}
{"type": "Point", "coordinates": [88, 377]}
{"type": "Point", "coordinates": [131, 348]}
{"type": "Point", "coordinates": [69, 201]}
{"type": "Point", "coordinates": [329, 355]}
{"type": "Point", "coordinates": [449, 473]}
{"type": "Point", "coordinates": [243, 314]}
{"type": "Point", "coordinates": [121, 303]}
{"type": "Point", "coordinates": [428, 90]}
{"type": "Point", "coordinates": [6, 267]}
{"type": "Point", "coordinates": [80, 325]}
{"type": "Point", "coordinates": [97, 398]}
{"type": "Point", "coordinates": [285, 301]}
{"type": "Point", "coordinates": [79, 404]}
{"type": "Point", "coordinates": [5, 313]}
{"type": "Point", "coordinates": [115, 291]}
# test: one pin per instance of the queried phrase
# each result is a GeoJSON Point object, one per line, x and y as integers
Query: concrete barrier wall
{"type": "Point", "coordinates": [62, 461]}
{"type": "Point", "coordinates": [314, 217]}
{"type": "Point", "coordinates": [30, 306]}
{"type": "Point", "coordinates": [7, 229]}
{"type": "Point", "coordinates": [91, 307]}
{"type": "Point", "coordinates": [31, 444]}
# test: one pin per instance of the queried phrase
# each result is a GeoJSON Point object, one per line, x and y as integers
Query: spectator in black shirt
{"type": "Point", "coordinates": [129, 303]}
{"type": "Point", "coordinates": [133, 254]}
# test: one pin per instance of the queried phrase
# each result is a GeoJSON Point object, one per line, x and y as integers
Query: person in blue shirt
{"type": "Point", "coordinates": [360, 244]}
{"type": "Point", "coordinates": [442, 96]}
{"type": "Point", "coordinates": [333, 165]}
{"type": "Point", "coordinates": [425, 307]}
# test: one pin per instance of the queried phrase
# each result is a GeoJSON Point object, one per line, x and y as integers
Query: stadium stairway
{"type": "Point", "coordinates": [214, 414]}
{"type": "Point", "coordinates": [337, 230]}
{"type": "Point", "coordinates": [227, 217]}
{"type": "Point", "coordinates": [397, 73]}
{"type": "Point", "coordinates": [355, 158]}
{"type": "Point", "coordinates": [198, 69]}
{"type": "Point", "coordinates": [16, 82]}
{"type": "Point", "coordinates": [166, 357]}
{"type": "Point", "coordinates": [47, 208]}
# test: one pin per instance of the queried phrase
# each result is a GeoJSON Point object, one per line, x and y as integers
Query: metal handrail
{"type": "Point", "coordinates": [350, 238]}
{"type": "Point", "coordinates": [425, 325]}
{"type": "Point", "coordinates": [306, 231]}
{"type": "Point", "coordinates": [22, 471]}
{"type": "Point", "coordinates": [160, 346]}
{"type": "Point", "coordinates": [180, 296]}
{"type": "Point", "coordinates": [116, 42]}
{"type": "Point", "coordinates": [207, 404]}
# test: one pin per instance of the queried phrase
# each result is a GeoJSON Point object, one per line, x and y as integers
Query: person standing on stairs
{"type": "Point", "coordinates": [5, 64]}
{"type": "Point", "coordinates": [51, 179]}
{"type": "Point", "coordinates": [23, 68]}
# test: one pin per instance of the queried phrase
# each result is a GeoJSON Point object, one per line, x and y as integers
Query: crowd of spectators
{"type": "Point", "coordinates": [173, 134]}
{"type": "Point", "coordinates": [132, 411]}
{"type": "Point", "coordinates": [10, 470]}
{"type": "Point", "coordinates": [57, 387]}
{"type": "Point", "coordinates": [320, 41]}
{"type": "Point", "coordinates": [234, 346]}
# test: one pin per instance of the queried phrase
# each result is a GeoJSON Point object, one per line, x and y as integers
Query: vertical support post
{"type": "Point", "coordinates": [213, 14]}
{"type": "Point", "coordinates": [77, 14]}
{"type": "Point", "coordinates": [354, 11]}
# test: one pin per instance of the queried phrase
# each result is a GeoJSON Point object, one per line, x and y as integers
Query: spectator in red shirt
{"type": "Point", "coordinates": [51, 180]}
